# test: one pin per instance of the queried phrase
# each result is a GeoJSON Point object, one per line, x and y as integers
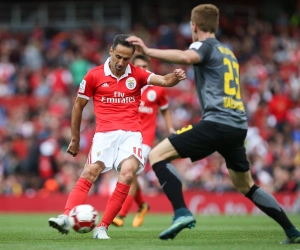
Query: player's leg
{"type": "Point", "coordinates": [138, 197]}
{"type": "Point", "coordinates": [78, 195]}
{"type": "Point", "coordinates": [160, 157]}
{"type": "Point", "coordinates": [191, 142]}
{"type": "Point", "coordinates": [119, 220]}
{"type": "Point", "coordinates": [143, 207]}
{"type": "Point", "coordinates": [99, 158]}
{"type": "Point", "coordinates": [128, 163]}
{"type": "Point", "coordinates": [238, 166]}
{"type": "Point", "coordinates": [266, 202]}
{"type": "Point", "coordinates": [172, 187]}
{"type": "Point", "coordinates": [129, 167]}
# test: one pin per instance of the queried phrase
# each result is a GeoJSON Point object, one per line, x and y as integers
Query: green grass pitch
{"type": "Point", "coordinates": [31, 231]}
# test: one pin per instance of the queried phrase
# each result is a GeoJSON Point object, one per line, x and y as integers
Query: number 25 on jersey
{"type": "Point", "coordinates": [232, 100]}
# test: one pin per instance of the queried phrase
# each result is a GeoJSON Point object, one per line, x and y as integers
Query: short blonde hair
{"type": "Point", "coordinates": [206, 17]}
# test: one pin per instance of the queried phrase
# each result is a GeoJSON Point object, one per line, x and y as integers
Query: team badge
{"type": "Point", "coordinates": [130, 83]}
{"type": "Point", "coordinates": [151, 95]}
{"type": "Point", "coordinates": [98, 153]}
{"type": "Point", "coordinates": [82, 86]}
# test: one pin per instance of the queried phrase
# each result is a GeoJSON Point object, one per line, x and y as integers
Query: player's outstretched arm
{"type": "Point", "coordinates": [78, 107]}
{"type": "Point", "coordinates": [168, 80]}
{"type": "Point", "coordinates": [186, 57]}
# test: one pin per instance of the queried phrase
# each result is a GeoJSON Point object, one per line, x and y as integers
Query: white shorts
{"type": "Point", "coordinates": [113, 147]}
{"type": "Point", "coordinates": [146, 150]}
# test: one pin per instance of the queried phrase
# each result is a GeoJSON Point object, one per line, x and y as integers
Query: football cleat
{"type": "Point", "coordinates": [100, 233]}
{"type": "Point", "coordinates": [291, 240]}
{"type": "Point", "coordinates": [118, 221]}
{"type": "Point", "coordinates": [61, 223]}
{"type": "Point", "coordinates": [139, 217]}
{"type": "Point", "coordinates": [177, 225]}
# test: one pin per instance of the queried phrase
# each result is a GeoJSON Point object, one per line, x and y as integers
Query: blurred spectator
{"type": "Point", "coordinates": [7, 70]}
{"type": "Point", "coordinates": [79, 67]}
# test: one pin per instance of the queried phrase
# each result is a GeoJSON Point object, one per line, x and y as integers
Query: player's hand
{"type": "Point", "coordinates": [139, 43]}
{"type": "Point", "coordinates": [73, 148]}
{"type": "Point", "coordinates": [172, 131]}
{"type": "Point", "coordinates": [180, 74]}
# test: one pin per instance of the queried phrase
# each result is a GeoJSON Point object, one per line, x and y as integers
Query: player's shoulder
{"type": "Point", "coordinates": [211, 41]}
{"type": "Point", "coordinates": [207, 43]}
{"type": "Point", "coordinates": [97, 69]}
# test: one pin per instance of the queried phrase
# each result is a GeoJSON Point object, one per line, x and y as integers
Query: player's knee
{"type": "Point", "coordinates": [125, 179]}
{"type": "Point", "coordinates": [241, 180]}
{"type": "Point", "coordinates": [153, 157]}
{"type": "Point", "coordinates": [244, 189]}
{"type": "Point", "coordinates": [90, 173]}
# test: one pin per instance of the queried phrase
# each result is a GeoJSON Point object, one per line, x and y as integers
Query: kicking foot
{"type": "Point", "coordinates": [61, 223]}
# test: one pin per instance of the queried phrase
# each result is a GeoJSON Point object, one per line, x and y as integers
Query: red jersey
{"type": "Point", "coordinates": [153, 97]}
{"type": "Point", "coordinates": [116, 101]}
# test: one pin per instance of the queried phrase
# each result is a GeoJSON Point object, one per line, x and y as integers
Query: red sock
{"type": "Point", "coordinates": [114, 204]}
{"type": "Point", "coordinates": [139, 199]}
{"type": "Point", "coordinates": [78, 194]}
{"type": "Point", "coordinates": [126, 205]}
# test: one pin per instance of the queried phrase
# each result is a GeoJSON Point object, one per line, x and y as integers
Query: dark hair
{"type": "Point", "coordinates": [121, 39]}
{"type": "Point", "coordinates": [142, 57]}
{"type": "Point", "coordinates": [206, 17]}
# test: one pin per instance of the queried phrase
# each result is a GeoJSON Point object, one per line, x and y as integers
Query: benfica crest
{"type": "Point", "coordinates": [130, 83]}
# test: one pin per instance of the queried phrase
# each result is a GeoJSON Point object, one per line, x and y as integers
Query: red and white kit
{"type": "Point", "coordinates": [153, 98]}
{"type": "Point", "coordinates": [116, 105]}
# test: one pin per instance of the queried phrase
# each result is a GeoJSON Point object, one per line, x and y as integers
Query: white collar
{"type": "Point", "coordinates": [108, 72]}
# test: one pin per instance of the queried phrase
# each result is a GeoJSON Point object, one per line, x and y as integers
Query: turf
{"type": "Point", "coordinates": [31, 231]}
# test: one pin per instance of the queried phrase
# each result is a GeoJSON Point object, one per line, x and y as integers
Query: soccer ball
{"type": "Point", "coordinates": [83, 218]}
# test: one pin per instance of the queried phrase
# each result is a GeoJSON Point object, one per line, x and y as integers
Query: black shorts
{"type": "Point", "coordinates": [205, 137]}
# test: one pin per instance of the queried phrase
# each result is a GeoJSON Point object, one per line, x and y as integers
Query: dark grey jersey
{"type": "Point", "coordinates": [217, 84]}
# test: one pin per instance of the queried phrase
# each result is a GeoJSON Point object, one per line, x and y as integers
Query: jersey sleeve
{"type": "Point", "coordinates": [202, 48]}
{"type": "Point", "coordinates": [86, 87]}
{"type": "Point", "coordinates": [145, 76]}
{"type": "Point", "coordinates": [163, 101]}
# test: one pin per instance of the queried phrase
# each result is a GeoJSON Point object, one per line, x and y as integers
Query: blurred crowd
{"type": "Point", "coordinates": [40, 72]}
